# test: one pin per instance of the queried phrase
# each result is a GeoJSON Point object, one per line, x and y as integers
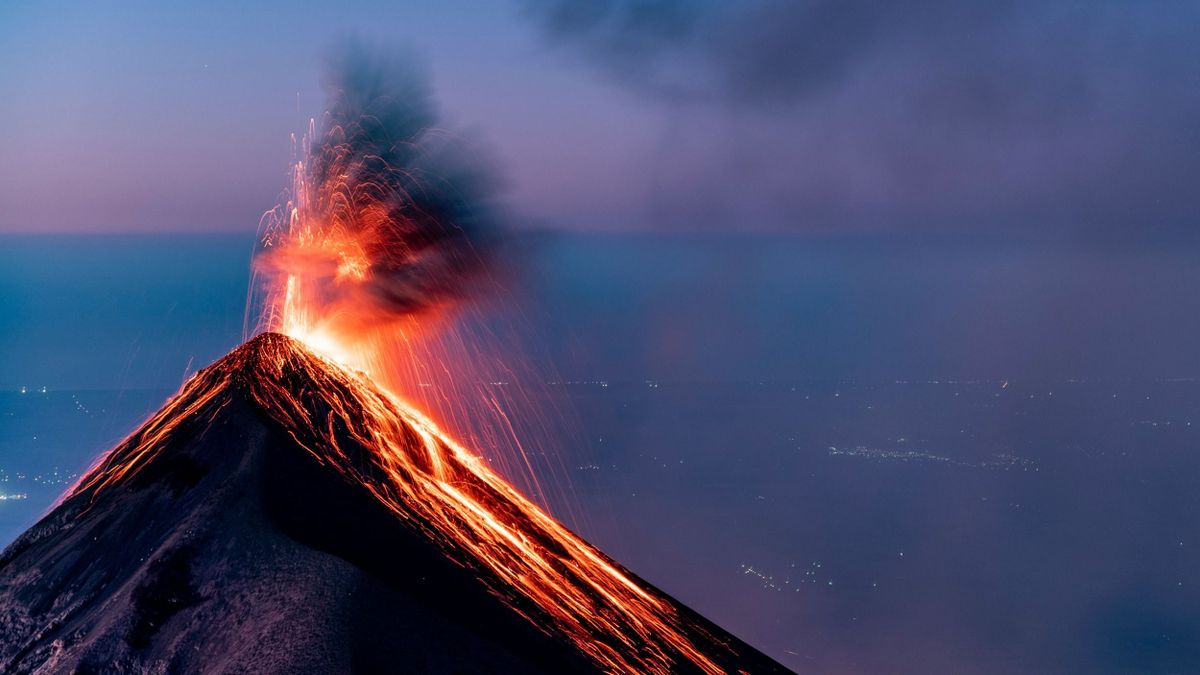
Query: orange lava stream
{"type": "Point", "coordinates": [449, 492]}
{"type": "Point", "coordinates": [371, 438]}
{"type": "Point", "coordinates": [339, 245]}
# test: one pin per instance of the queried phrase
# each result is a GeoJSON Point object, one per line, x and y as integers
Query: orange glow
{"type": "Point", "coordinates": [373, 439]}
{"type": "Point", "coordinates": [338, 258]}
{"type": "Point", "coordinates": [321, 252]}
{"type": "Point", "coordinates": [319, 274]}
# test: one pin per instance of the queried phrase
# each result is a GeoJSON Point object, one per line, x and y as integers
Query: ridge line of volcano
{"type": "Point", "coordinates": [379, 446]}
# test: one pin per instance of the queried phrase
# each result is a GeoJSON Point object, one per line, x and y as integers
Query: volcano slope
{"type": "Point", "coordinates": [284, 515]}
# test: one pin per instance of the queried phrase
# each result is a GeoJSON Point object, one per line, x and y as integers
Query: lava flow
{"type": "Point", "coordinates": [379, 236]}
{"type": "Point", "coordinates": [372, 439]}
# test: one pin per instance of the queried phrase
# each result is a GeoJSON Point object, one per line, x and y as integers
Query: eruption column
{"type": "Point", "coordinates": [381, 232]}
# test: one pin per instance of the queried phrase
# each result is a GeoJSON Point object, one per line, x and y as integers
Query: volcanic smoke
{"type": "Point", "coordinates": [387, 219]}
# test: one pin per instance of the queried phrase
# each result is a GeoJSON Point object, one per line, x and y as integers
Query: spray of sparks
{"type": "Point", "coordinates": [378, 240]}
{"type": "Point", "coordinates": [377, 255]}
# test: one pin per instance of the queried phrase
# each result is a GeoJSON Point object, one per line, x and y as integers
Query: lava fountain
{"type": "Point", "coordinates": [379, 253]}
{"type": "Point", "coordinates": [380, 237]}
{"type": "Point", "coordinates": [384, 226]}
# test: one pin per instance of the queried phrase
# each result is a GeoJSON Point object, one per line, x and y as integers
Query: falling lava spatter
{"type": "Point", "coordinates": [368, 252]}
{"type": "Point", "coordinates": [539, 568]}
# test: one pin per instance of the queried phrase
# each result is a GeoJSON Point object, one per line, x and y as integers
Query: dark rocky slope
{"type": "Point", "coordinates": [234, 548]}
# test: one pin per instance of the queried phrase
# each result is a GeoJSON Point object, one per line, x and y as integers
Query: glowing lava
{"type": "Point", "coordinates": [372, 439]}
{"type": "Point", "coordinates": [361, 263]}
{"type": "Point", "coordinates": [540, 568]}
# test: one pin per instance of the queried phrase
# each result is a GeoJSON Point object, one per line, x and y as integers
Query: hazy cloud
{"type": "Point", "coordinates": [932, 114]}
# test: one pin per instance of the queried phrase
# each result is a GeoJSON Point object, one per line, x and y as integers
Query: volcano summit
{"type": "Point", "coordinates": [282, 514]}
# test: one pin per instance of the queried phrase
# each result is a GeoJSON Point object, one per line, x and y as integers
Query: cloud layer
{"type": "Point", "coordinates": [932, 114]}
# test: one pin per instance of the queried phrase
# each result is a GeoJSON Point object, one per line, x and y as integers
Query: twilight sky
{"type": "Point", "coordinates": [1078, 118]}
{"type": "Point", "coordinates": [1016, 180]}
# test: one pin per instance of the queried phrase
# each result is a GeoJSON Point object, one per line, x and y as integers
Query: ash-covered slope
{"type": "Point", "coordinates": [282, 515]}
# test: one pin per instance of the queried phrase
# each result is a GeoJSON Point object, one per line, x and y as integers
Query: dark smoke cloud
{"type": "Point", "coordinates": [381, 179]}
{"type": "Point", "coordinates": [933, 113]}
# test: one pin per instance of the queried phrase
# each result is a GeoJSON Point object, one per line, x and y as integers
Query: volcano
{"type": "Point", "coordinates": [283, 514]}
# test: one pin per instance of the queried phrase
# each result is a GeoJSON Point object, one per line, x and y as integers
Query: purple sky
{"type": "Point", "coordinates": [769, 114]}
{"type": "Point", "coordinates": [144, 117]}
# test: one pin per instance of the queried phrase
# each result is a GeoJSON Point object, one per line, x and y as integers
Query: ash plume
{"type": "Point", "coordinates": [389, 215]}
